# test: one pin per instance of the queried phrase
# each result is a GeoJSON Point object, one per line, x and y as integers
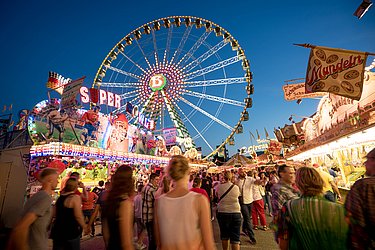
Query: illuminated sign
{"type": "Point", "coordinates": [146, 122]}
{"type": "Point", "coordinates": [157, 82]}
{"type": "Point", "coordinates": [105, 97]}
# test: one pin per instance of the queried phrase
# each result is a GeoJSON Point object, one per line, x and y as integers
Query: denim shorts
{"type": "Point", "coordinates": [230, 226]}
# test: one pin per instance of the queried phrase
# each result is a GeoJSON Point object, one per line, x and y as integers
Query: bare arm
{"type": "Point", "coordinates": [156, 225]}
{"type": "Point", "coordinates": [283, 244]}
{"type": "Point", "coordinates": [105, 231]}
{"type": "Point", "coordinates": [19, 237]}
{"type": "Point", "coordinates": [126, 213]}
{"type": "Point", "coordinates": [84, 192]}
{"type": "Point", "coordinates": [205, 223]}
{"type": "Point", "coordinates": [335, 189]}
{"type": "Point", "coordinates": [92, 218]}
{"type": "Point", "coordinates": [76, 204]}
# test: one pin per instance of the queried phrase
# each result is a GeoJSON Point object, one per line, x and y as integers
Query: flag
{"type": "Point", "coordinates": [258, 134]}
{"type": "Point", "coordinates": [252, 136]}
{"type": "Point", "coordinates": [57, 82]}
{"type": "Point", "coordinates": [267, 135]}
{"type": "Point", "coordinates": [337, 71]}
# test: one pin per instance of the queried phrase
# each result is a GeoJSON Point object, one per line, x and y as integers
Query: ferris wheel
{"type": "Point", "coordinates": [183, 72]}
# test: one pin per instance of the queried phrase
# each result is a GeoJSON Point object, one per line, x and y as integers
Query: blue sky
{"type": "Point", "coordinates": [73, 37]}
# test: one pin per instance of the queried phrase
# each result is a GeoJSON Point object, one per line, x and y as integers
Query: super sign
{"type": "Point", "coordinates": [105, 97]}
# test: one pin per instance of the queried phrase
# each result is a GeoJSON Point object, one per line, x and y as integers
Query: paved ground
{"type": "Point", "coordinates": [264, 239]}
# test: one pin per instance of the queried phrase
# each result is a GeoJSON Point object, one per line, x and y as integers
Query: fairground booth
{"type": "Point", "coordinates": [338, 136]}
{"type": "Point", "coordinates": [73, 139]}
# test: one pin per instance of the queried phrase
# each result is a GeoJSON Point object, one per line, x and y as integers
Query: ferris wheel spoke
{"type": "Point", "coordinates": [182, 44]}
{"type": "Point", "coordinates": [204, 56]}
{"type": "Point", "coordinates": [129, 94]}
{"type": "Point", "coordinates": [155, 47]}
{"type": "Point", "coordinates": [194, 48]}
{"type": "Point", "coordinates": [168, 46]}
{"type": "Point", "coordinates": [214, 98]}
{"type": "Point", "coordinates": [143, 53]}
{"type": "Point", "coordinates": [130, 60]}
{"type": "Point", "coordinates": [212, 67]}
{"type": "Point", "coordinates": [124, 72]}
{"type": "Point", "coordinates": [216, 82]}
{"type": "Point", "coordinates": [120, 84]}
{"type": "Point", "coordinates": [207, 114]}
{"type": "Point", "coordinates": [195, 128]}
{"type": "Point", "coordinates": [120, 109]}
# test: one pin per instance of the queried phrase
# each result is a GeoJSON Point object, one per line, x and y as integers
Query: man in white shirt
{"type": "Point", "coordinates": [245, 184]}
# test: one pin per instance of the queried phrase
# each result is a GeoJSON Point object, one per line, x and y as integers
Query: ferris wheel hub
{"type": "Point", "coordinates": [157, 82]}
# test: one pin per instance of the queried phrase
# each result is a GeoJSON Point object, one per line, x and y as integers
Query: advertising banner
{"type": "Point", "coordinates": [71, 90]}
{"type": "Point", "coordinates": [337, 71]}
{"type": "Point", "coordinates": [297, 91]}
{"type": "Point", "coordinates": [170, 135]}
{"type": "Point", "coordinates": [48, 122]}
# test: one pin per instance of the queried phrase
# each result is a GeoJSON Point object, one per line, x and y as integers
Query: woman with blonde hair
{"type": "Point", "coordinates": [311, 222]}
{"type": "Point", "coordinates": [193, 230]}
{"type": "Point", "coordinates": [229, 213]}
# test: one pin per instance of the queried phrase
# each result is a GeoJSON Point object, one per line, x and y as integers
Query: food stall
{"type": "Point", "coordinates": [338, 135]}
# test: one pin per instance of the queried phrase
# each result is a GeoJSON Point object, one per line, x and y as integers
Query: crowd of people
{"type": "Point", "coordinates": [175, 209]}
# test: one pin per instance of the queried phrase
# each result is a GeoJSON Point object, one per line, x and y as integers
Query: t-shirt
{"type": "Point", "coordinates": [313, 223]}
{"type": "Point", "coordinates": [88, 204]}
{"type": "Point", "coordinates": [327, 178]}
{"type": "Point", "coordinates": [207, 185]}
{"type": "Point", "coordinates": [200, 191]}
{"type": "Point", "coordinates": [90, 117]}
{"type": "Point", "coordinates": [98, 190]}
{"type": "Point", "coordinates": [360, 203]}
{"type": "Point", "coordinates": [230, 203]}
{"type": "Point", "coordinates": [247, 189]}
{"type": "Point", "coordinates": [101, 201]}
{"type": "Point", "coordinates": [40, 205]}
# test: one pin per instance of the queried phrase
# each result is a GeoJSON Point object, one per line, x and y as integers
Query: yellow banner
{"type": "Point", "coordinates": [336, 71]}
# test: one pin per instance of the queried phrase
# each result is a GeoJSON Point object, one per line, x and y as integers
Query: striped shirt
{"type": "Point", "coordinates": [360, 208]}
{"type": "Point", "coordinates": [148, 199]}
{"type": "Point", "coordinates": [281, 193]}
{"type": "Point", "coordinates": [313, 223]}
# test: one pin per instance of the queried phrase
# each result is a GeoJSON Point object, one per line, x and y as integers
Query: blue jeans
{"type": "Point", "coordinates": [330, 196]}
{"type": "Point", "coordinates": [247, 226]}
{"type": "Point", "coordinates": [230, 226]}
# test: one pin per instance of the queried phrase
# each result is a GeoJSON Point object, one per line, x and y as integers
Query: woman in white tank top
{"type": "Point", "coordinates": [182, 218]}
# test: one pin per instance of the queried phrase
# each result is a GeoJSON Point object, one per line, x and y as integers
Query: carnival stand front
{"type": "Point", "coordinates": [337, 136]}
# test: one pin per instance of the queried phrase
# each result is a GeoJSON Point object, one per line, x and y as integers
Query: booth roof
{"type": "Point", "coordinates": [238, 159]}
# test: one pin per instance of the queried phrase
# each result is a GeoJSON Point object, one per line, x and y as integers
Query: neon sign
{"type": "Point", "coordinates": [105, 97]}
